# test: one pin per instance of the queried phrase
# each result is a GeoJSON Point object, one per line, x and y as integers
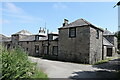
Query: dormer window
{"type": "Point", "coordinates": [36, 37]}
{"type": "Point", "coordinates": [72, 32]}
{"type": "Point", "coordinates": [50, 37]}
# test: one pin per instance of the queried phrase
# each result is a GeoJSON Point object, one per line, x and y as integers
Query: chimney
{"type": "Point", "coordinates": [65, 22]}
{"type": "Point", "coordinates": [105, 28]}
{"type": "Point", "coordinates": [43, 30]}
{"type": "Point", "coordinates": [40, 30]}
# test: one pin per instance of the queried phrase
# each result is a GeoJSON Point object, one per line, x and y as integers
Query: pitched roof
{"type": "Point", "coordinates": [4, 38]}
{"type": "Point", "coordinates": [80, 22]}
{"type": "Point", "coordinates": [24, 32]}
{"type": "Point", "coordinates": [106, 32]}
{"type": "Point", "coordinates": [106, 42]}
{"type": "Point", "coordinates": [28, 38]}
{"type": "Point", "coordinates": [32, 38]}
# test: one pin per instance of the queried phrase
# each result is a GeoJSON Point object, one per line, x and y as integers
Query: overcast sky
{"type": "Point", "coordinates": [31, 16]}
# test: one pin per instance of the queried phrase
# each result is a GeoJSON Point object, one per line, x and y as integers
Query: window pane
{"type": "Point", "coordinates": [55, 50]}
{"type": "Point", "coordinates": [72, 32]}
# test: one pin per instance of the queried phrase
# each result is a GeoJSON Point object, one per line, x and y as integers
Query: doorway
{"type": "Point", "coordinates": [109, 52]}
{"type": "Point", "coordinates": [36, 50]}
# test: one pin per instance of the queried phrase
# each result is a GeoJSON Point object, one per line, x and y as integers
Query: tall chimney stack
{"type": "Point", "coordinates": [65, 22]}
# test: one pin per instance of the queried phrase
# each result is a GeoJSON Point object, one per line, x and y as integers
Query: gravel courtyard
{"type": "Point", "coordinates": [58, 69]}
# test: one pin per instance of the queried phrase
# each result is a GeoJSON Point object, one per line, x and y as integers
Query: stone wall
{"type": "Point", "coordinates": [96, 45]}
{"type": "Point", "coordinates": [112, 40]}
{"type": "Point", "coordinates": [74, 49]}
{"type": "Point", "coordinates": [7, 44]}
{"type": "Point", "coordinates": [15, 40]}
{"type": "Point", "coordinates": [104, 52]}
{"type": "Point", "coordinates": [49, 46]}
{"type": "Point", "coordinates": [29, 47]}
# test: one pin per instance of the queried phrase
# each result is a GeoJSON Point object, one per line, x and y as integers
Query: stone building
{"type": "Point", "coordinates": [79, 41]}
{"type": "Point", "coordinates": [109, 43]}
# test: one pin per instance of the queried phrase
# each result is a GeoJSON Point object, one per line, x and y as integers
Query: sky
{"type": "Point", "coordinates": [31, 16]}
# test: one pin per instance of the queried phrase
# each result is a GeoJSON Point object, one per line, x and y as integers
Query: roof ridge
{"type": "Point", "coordinates": [85, 21]}
{"type": "Point", "coordinates": [23, 31]}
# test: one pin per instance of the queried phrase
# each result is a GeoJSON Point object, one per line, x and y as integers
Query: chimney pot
{"type": "Point", "coordinates": [65, 22]}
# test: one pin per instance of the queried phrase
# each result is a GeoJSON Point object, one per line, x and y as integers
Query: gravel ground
{"type": "Point", "coordinates": [58, 69]}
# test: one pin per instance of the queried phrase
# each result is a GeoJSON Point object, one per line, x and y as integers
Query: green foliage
{"type": "Point", "coordinates": [15, 65]}
{"type": "Point", "coordinates": [104, 61]}
{"type": "Point", "coordinates": [101, 62]}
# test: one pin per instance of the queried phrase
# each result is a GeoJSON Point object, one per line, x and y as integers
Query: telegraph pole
{"type": "Point", "coordinates": [118, 4]}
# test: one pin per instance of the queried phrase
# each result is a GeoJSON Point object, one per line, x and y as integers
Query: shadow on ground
{"type": "Point", "coordinates": [107, 73]}
{"type": "Point", "coordinates": [111, 65]}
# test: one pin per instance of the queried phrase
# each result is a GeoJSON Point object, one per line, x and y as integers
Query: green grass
{"type": "Point", "coordinates": [15, 65]}
{"type": "Point", "coordinates": [104, 61]}
{"type": "Point", "coordinates": [101, 62]}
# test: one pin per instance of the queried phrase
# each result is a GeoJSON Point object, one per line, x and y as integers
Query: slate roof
{"type": "Point", "coordinates": [28, 38]}
{"type": "Point", "coordinates": [106, 32]}
{"type": "Point", "coordinates": [7, 39]}
{"type": "Point", "coordinates": [24, 32]}
{"type": "Point", "coordinates": [54, 33]}
{"type": "Point", "coordinates": [106, 42]}
{"type": "Point", "coordinates": [80, 22]}
{"type": "Point", "coordinates": [32, 38]}
{"type": "Point", "coordinates": [4, 38]}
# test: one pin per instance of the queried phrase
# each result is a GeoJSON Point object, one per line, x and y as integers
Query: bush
{"type": "Point", "coordinates": [15, 65]}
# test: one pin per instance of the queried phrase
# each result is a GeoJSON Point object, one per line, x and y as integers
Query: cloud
{"type": "Point", "coordinates": [18, 14]}
{"type": "Point", "coordinates": [4, 21]}
{"type": "Point", "coordinates": [59, 6]}
{"type": "Point", "coordinates": [10, 7]}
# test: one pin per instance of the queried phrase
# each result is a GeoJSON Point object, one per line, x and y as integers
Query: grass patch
{"type": "Point", "coordinates": [101, 62]}
{"type": "Point", "coordinates": [104, 61]}
{"type": "Point", "coordinates": [15, 65]}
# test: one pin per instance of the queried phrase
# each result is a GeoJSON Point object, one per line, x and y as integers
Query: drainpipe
{"type": "Point", "coordinates": [48, 45]}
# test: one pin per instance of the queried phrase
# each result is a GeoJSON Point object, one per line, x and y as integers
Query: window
{"type": "Point", "coordinates": [27, 42]}
{"type": "Point", "coordinates": [72, 32]}
{"type": "Point", "coordinates": [55, 50]}
{"type": "Point", "coordinates": [45, 50]}
{"type": "Point", "coordinates": [13, 46]}
{"type": "Point", "coordinates": [97, 34]}
{"type": "Point", "coordinates": [37, 38]}
{"type": "Point", "coordinates": [27, 49]}
{"type": "Point", "coordinates": [50, 37]}
{"type": "Point", "coordinates": [37, 49]}
{"type": "Point", "coordinates": [8, 46]}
